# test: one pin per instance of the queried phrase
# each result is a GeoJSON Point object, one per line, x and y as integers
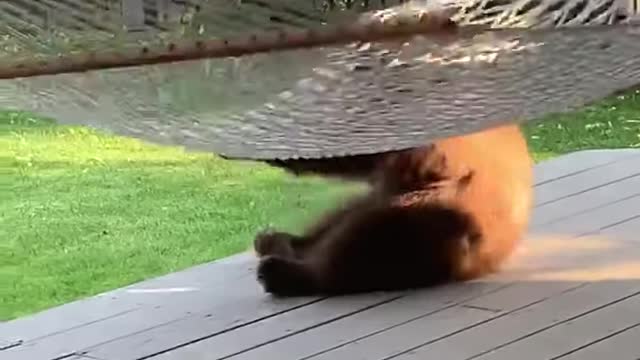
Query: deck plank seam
{"type": "Point", "coordinates": [317, 325]}
{"type": "Point", "coordinates": [83, 351]}
{"type": "Point", "coordinates": [64, 356]}
{"type": "Point", "coordinates": [587, 190]}
{"type": "Point", "coordinates": [609, 226]}
{"type": "Point", "coordinates": [10, 344]}
{"type": "Point", "coordinates": [19, 342]}
{"type": "Point", "coordinates": [79, 356]}
{"type": "Point", "coordinates": [309, 328]}
{"type": "Point", "coordinates": [89, 357]}
{"type": "Point", "coordinates": [416, 318]}
{"type": "Point", "coordinates": [572, 318]}
{"type": "Point", "coordinates": [483, 308]}
{"type": "Point", "coordinates": [87, 349]}
{"type": "Point", "coordinates": [114, 293]}
{"type": "Point", "coordinates": [482, 322]}
{"type": "Point", "coordinates": [586, 210]}
{"type": "Point", "coordinates": [583, 170]}
{"type": "Point", "coordinates": [606, 337]}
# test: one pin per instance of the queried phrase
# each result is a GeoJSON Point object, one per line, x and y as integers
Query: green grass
{"type": "Point", "coordinates": [82, 212]}
{"type": "Point", "coordinates": [610, 124]}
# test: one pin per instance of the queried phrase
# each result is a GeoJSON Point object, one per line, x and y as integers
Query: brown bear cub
{"type": "Point", "coordinates": [449, 211]}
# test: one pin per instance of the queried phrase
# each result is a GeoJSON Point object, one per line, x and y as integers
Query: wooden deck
{"type": "Point", "coordinates": [572, 292]}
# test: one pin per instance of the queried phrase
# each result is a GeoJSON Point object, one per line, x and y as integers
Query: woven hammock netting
{"type": "Point", "coordinates": [281, 79]}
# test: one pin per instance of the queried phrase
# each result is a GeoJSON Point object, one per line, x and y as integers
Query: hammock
{"type": "Point", "coordinates": [284, 79]}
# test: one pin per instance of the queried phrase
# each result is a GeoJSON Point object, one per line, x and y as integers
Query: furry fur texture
{"type": "Point", "coordinates": [450, 211]}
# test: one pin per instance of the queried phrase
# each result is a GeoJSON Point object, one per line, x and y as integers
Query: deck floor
{"type": "Point", "coordinates": [572, 292]}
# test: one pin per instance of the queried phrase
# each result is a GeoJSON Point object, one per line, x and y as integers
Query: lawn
{"type": "Point", "coordinates": [82, 212]}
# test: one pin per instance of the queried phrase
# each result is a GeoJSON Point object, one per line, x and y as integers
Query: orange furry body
{"type": "Point", "coordinates": [453, 210]}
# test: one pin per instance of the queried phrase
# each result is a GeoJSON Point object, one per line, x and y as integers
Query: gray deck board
{"type": "Point", "coordinates": [584, 181]}
{"type": "Point", "coordinates": [525, 321]}
{"type": "Point", "coordinates": [226, 307]}
{"type": "Point", "coordinates": [593, 220]}
{"type": "Point", "coordinates": [568, 207]}
{"type": "Point", "coordinates": [622, 344]}
{"type": "Point", "coordinates": [131, 298]}
{"type": "Point", "coordinates": [321, 338]}
{"type": "Point", "coordinates": [627, 229]}
{"type": "Point", "coordinates": [568, 335]}
{"type": "Point", "coordinates": [580, 161]}
{"type": "Point", "coordinates": [228, 343]}
{"type": "Point", "coordinates": [570, 292]}
{"type": "Point", "coordinates": [437, 325]}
